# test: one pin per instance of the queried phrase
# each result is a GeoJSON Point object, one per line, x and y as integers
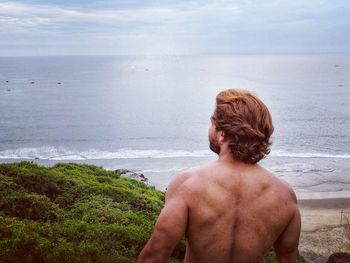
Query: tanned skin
{"type": "Point", "coordinates": [229, 211]}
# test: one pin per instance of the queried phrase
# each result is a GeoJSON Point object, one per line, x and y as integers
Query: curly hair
{"type": "Point", "coordinates": [246, 123]}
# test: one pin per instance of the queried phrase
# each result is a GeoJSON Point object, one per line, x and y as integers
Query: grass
{"type": "Point", "coordinates": [76, 213]}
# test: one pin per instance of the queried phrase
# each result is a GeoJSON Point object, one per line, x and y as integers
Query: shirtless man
{"type": "Point", "coordinates": [231, 210]}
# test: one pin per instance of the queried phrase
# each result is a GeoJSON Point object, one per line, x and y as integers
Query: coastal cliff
{"type": "Point", "coordinates": [76, 213]}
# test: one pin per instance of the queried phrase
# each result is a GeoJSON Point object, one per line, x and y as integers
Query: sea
{"type": "Point", "coordinates": [151, 114]}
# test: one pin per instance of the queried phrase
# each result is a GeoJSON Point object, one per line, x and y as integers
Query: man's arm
{"type": "Point", "coordinates": [286, 246]}
{"type": "Point", "coordinates": [170, 226]}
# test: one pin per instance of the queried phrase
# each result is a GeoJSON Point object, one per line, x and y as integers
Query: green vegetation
{"type": "Point", "coordinates": [75, 213]}
{"type": "Point", "coordinates": [270, 257]}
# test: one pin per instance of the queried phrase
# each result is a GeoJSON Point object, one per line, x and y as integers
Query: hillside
{"type": "Point", "coordinates": [75, 213]}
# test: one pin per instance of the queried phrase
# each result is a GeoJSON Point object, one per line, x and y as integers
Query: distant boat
{"type": "Point", "coordinates": [32, 82]}
{"type": "Point", "coordinates": [8, 89]}
{"type": "Point", "coordinates": [7, 81]}
{"type": "Point", "coordinates": [59, 83]}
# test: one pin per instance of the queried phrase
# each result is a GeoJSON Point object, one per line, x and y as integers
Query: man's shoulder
{"type": "Point", "coordinates": [184, 177]}
{"type": "Point", "coordinates": [186, 182]}
{"type": "Point", "coordinates": [287, 190]}
{"type": "Point", "coordinates": [281, 187]}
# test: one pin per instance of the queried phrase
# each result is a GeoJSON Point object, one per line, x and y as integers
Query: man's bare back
{"type": "Point", "coordinates": [235, 213]}
{"type": "Point", "coordinates": [231, 210]}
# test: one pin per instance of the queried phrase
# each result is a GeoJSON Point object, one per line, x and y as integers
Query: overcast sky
{"type": "Point", "coordinates": [140, 27]}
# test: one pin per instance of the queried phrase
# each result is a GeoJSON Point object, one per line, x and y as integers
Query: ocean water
{"type": "Point", "coordinates": [151, 114]}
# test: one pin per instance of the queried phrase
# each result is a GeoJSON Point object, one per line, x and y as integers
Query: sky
{"type": "Point", "coordinates": [165, 27]}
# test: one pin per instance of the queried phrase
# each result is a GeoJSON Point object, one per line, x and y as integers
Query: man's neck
{"type": "Point", "coordinates": [226, 156]}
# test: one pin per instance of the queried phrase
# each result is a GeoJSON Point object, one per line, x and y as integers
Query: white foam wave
{"type": "Point", "coordinates": [170, 170]}
{"type": "Point", "coordinates": [61, 153]}
{"type": "Point", "coordinates": [45, 152]}
{"type": "Point", "coordinates": [308, 155]}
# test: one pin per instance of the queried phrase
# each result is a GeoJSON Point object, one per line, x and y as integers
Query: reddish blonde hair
{"type": "Point", "coordinates": [246, 123]}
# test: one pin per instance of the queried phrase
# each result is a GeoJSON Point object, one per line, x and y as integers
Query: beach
{"type": "Point", "coordinates": [322, 233]}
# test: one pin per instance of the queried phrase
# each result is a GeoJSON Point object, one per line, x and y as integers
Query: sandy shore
{"type": "Point", "coordinates": [316, 213]}
{"type": "Point", "coordinates": [322, 234]}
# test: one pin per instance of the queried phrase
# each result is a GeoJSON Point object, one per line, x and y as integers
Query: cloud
{"type": "Point", "coordinates": [46, 14]}
{"type": "Point", "coordinates": [176, 26]}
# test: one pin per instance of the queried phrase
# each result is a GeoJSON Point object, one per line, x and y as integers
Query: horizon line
{"type": "Point", "coordinates": [184, 54]}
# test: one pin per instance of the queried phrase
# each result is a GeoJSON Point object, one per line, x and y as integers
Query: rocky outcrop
{"type": "Point", "coordinates": [132, 174]}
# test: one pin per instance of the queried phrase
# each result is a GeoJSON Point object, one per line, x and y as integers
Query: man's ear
{"type": "Point", "coordinates": [221, 136]}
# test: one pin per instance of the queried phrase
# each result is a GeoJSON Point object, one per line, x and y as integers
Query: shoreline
{"type": "Point", "coordinates": [307, 196]}
{"type": "Point", "coordinates": [167, 169]}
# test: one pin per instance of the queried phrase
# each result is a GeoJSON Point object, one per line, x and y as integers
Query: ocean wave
{"type": "Point", "coordinates": [170, 170]}
{"type": "Point", "coordinates": [309, 155]}
{"type": "Point", "coordinates": [297, 169]}
{"type": "Point", "coordinates": [63, 153]}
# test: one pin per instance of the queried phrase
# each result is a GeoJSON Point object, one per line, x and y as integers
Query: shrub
{"type": "Point", "coordinates": [73, 213]}
{"type": "Point", "coordinates": [30, 206]}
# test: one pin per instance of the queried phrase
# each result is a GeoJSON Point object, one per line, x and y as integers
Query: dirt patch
{"type": "Point", "coordinates": [317, 245]}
